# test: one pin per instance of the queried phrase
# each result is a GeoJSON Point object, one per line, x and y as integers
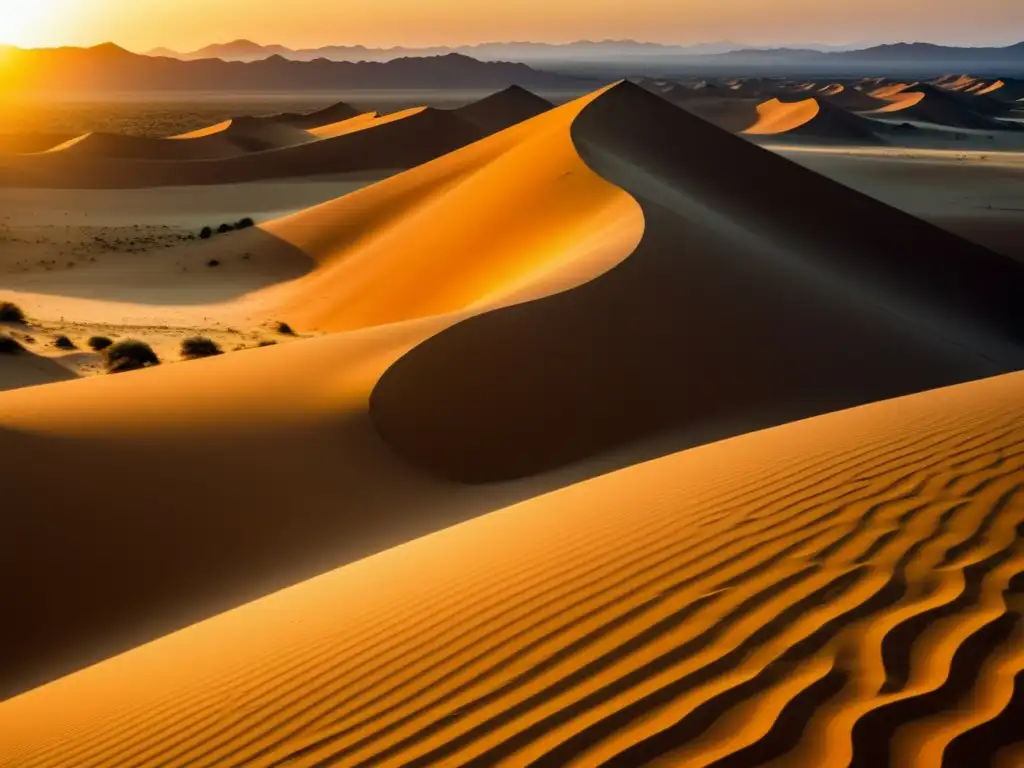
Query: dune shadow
{"type": "Point", "coordinates": [27, 369]}
{"type": "Point", "coordinates": [757, 296]}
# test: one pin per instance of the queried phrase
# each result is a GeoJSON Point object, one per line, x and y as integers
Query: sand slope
{"type": "Point", "coordinates": [827, 592]}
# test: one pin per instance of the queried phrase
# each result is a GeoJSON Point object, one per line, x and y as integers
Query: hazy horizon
{"type": "Point", "coordinates": [191, 24]}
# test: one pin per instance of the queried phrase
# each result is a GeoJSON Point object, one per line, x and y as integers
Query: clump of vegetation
{"type": "Point", "coordinates": [266, 343]}
{"type": "Point", "coordinates": [284, 329]}
{"type": "Point", "coordinates": [224, 228]}
{"type": "Point", "coordinates": [199, 346]}
{"type": "Point", "coordinates": [244, 223]}
{"type": "Point", "coordinates": [206, 233]}
{"type": "Point", "coordinates": [11, 313]}
{"type": "Point", "coordinates": [99, 343]}
{"type": "Point", "coordinates": [130, 355]}
{"type": "Point", "coordinates": [63, 342]}
{"type": "Point", "coordinates": [213, 263]}
{"type": "Point", "coordinates": [10, 345]}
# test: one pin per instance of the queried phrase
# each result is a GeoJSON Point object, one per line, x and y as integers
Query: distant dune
{"type": "Point", "coordinates": [231, 138]}
{"type": "Point", "coordinates": [501, 110]}
{"type": "Point", "coordinates": [810, 117]}
{"type": "Point", "coordinates": [335, 140]}
{"type": "Point", "coordinates": [934, 105]}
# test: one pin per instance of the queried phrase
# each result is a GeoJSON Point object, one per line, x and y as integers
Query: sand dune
{"type": "Point", "coordinates": [451, 358]}
{"type": "Point", "coordinates": [332, 141]}
{"type": "Point", "coordinates": [829, 591]}
{"type": "Point", "coordinates": [810, 117]}
{"type": "Point", "coordinates": [24, 143]}
{"type": "Point", "coordinates": [503, 109]}
{"type": "Point", "coordinates": [390, 145]}
{"type": "Point", "coordinates": [597, 285]}
{"type": "Point", "coordinates": [517, 215]}
{"type": "Point", "coordinates": [540, 370]}
{"type": "Point", "coordinates": [231, 138]}
{"type": "Point", "coordinates": [321, 117]}
{"type": "Point", "coordinates": [934, 105]}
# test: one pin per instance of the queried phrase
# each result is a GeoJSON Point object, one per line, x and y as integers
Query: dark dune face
{"type": "Point", "coordinates": [748, 264]}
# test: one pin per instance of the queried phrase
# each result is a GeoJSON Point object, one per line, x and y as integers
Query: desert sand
{"type": "Point", "coordinates": [607, 436]}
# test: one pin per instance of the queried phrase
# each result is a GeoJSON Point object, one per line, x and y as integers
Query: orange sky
{"type": "Point", "coordinates": [188, 24]}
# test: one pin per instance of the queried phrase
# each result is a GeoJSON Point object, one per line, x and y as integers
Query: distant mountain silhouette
{"type": "Point", "coordinates": [525, 52]}
{"type": "Point", "coordinates": [108, 68]}
{"type": "Point", "coordinates": [615, 58]}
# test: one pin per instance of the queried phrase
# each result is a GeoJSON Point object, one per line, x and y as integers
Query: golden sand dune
{"type": "Point", "coordinates": [515, 216]}
{"type": "Point", "coordinates": [332, 141]}
{"type": "Point", "coordinates": [929, 104]}
{"type": "Point", "coordinates": [390, 145]}
{"type": "Point", "coordinates": [357, 123]}
{"type": "Point", "coordinates": [227, 139]}
{"type": "Point", "coordinates": [666, 317]}
{"type": "Point", "coordinates": [845, 590]}
{"type": "Point", "coordinates": [468, 357]}
{"type": "Point", "coordinates": [810, 117]}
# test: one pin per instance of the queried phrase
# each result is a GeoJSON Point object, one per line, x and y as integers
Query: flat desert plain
{"type": "Point", "coordinates": [677, 424]}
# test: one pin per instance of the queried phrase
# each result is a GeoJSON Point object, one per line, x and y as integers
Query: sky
{"type": "Point", "coordinates": [140, 25]}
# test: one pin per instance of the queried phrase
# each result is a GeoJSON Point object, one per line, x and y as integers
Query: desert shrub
{"type": "Point", "coordinates": [63, 342]}
{"type": "Point", "coordinates": [199, 346]}
{"type": "Point", "coordinates": [224, 228]}
{"type": "Point", "coordinates": [99, 343]}
{"type": "Point", "coordinates": [244, 223]}
{"type": "Point", "coordinates": [266, 343]}
{"type": "Point", "coordinates": [9, 345]}
{"type": "Point", "coordinates": [213, 263]}
{"type": "Point", "coordinates": [285, 329]}
{"type": "Point", "coordinates": [130, 355]}
{"type": "Point", "coordinates": [206, 233]}
{"type": "Point", "coordinates": [11, 313]}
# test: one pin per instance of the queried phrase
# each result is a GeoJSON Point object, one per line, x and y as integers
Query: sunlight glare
{"type": "Point", "coordinates": [24, 22]}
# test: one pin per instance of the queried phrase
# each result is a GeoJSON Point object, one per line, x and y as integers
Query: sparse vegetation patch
{"type": "Point", "coordinates": [130, 355]}
{"type": "Point", "coordinates": [199, 346]}
{"type": "Point", "coordinates": [11, 313]}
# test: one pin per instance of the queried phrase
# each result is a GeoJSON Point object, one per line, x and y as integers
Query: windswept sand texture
{"type": "Point", "coordinates": [830, 592]}
{"type": "Point", "coordinates": [607, 282]}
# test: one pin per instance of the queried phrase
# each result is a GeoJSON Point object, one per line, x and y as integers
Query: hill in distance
{"type": "Point", "coordinates": [109, 68]}
{"type": "Point", "coordinates": [610, 56]}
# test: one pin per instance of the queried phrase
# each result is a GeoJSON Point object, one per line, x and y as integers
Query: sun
{"type": "Point", "coordinates": [24, 22]}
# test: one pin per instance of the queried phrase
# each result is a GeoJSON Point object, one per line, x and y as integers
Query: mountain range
{"type": "Point", "coordinates": [108, 68]}
{"type": "Point", "coordinates": [619, 57]}
{"type": "Point", "coordinates": [526, 52]}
